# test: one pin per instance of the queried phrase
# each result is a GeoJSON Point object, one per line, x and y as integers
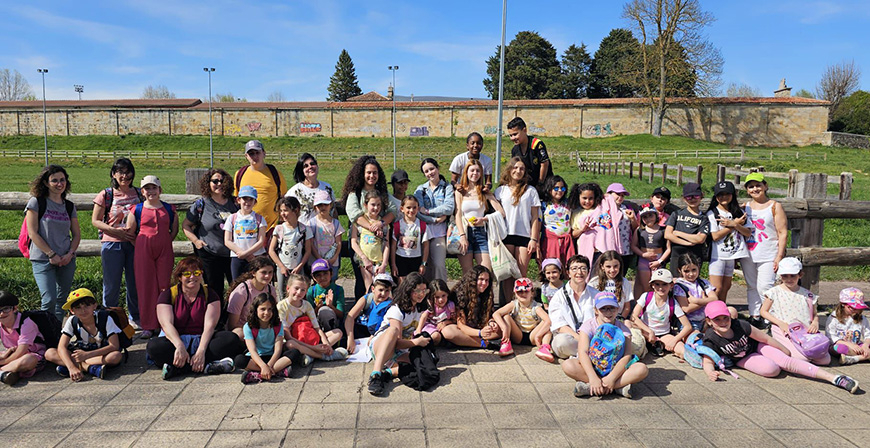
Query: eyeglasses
{"type": "Point", "coordinates": [560, 189]}
{"type": "Point", "coordinates": [124, 173]}
{"type": "Point", "coordinates": [57, 181]}
{"type": "Point", "coordinates": [578, 269]}
{"type": "Point", "coordinates": [217, 181]}
{"type": "Point", "coordinates": [692, 197]}
{"type": "Point", "coordinates": [195, 273]}
{"type": "Point", "coordinates": [6, 309]}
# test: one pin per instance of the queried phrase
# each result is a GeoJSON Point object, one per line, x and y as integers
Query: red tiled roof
{"type": "Point", "coordinates": [129, 104]}
{"type": "Point", "coordinates": [371, 96]}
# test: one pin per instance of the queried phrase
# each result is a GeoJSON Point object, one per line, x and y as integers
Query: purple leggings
{"type": "Point", "coordinates": [767, 361]}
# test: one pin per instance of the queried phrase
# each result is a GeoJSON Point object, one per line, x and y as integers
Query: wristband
{"type": "Point", "coordinates": [51, 255]}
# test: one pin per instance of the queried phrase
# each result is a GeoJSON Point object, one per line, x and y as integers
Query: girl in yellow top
{"type": "Point", "coordinates": [370, 249]}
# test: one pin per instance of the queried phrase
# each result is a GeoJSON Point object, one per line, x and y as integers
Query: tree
{"type": "Point", "coordinates": [227, 98]}
{"type": "Point", "coordinates": [343, 83]}
{"type": "Point", "coordinates": [666, 24]}
{"type": "Point", "coordinates": [531, 70]}
{"type": "Point", "coordinates": [838, 82]}
{"type": "Point", "coordinates": [13, 86]}
{"type": "Point", "coordinates": [277, 97]}
{"type": "Point", "coordinates": [576, 72]}
{"type": "Point", "coordinates": [742, 90]}
{"type": "Point", "coordinates": [615, 69]}
{"type": "Point", "coordinates": [804, 93]}
{"type": "Point", "coordinates": [853, 114]}
{"type": "Point", "coordinates": [159, 92]}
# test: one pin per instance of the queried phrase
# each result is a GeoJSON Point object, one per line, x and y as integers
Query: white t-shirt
{"type": "Point", "coordinates": [305, 195]}
{"type": "Point", "coordinates": [610, 286]}
{"type": "Point", "coordinates": [658, 318]}
{"type": "Point", "coordinates": [83, 335]}
{"type": "Point", "coordinates": [732, 246]}
{"type": "Point", "coordinates": [245, 230]}
{"type": "Point", "coordinates": [409, 321]}
{"type": "Point", "coordinates": [518, 216]}
{"type": "Point", "coordinates": [851, 331]}
{"type": "Point", "coordinates": [791, 306]}
{"type": "Point", "coordinates": [410, 239]}
{"type": "Point", "coordinates": [459, 162]}
{"type": "Point", "coordinates": [583, 307]}
{"type": "Point", "coordinates": [291, 243]}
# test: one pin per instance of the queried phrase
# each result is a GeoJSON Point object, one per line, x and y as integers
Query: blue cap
{"type": "Point", "coordinates": [603, 299]}
{"type": "Point", "coordinates": [248, 192]}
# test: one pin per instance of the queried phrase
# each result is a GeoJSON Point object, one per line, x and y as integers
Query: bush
{"type": "Point", "coordinates": [853, 115]}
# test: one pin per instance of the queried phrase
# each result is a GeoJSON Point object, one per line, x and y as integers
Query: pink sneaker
{"type": "Point", "coordinates": [506, 349]}
{"type": "Point", "coordinates": [545, 353]}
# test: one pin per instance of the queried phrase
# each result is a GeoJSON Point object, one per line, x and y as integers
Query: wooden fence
{"type": "Point", "coordinates": [204, 155]}
{"type": "Point", "coordinates": [740, 154]}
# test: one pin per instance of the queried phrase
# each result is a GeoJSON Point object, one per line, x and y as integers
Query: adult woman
{"type": "Point", "coordinates": [474, 306]}
{"type": "Point", "coordinates": [305, 175]}
{"type": "Point", "coordinates": [188, 313]}
{"type": "Point", "coordinates": [203, 226]}
{"type": "Point", "coordinates": [570, 307]}
{"type": "Point", "coordinates": [111, 207]}
{"type": "Point", "coordinates": [436, 205]}
{"type": "Point", "coordinates": [470, 209]}
{"type": "Point", "coordinates": [521, 207]}
{"type": "Point", "coordinates": [768, 223]}
{"type": "Point", "coordinates": [366, 175]}
{"type": "Point", "coordinates": [53, 227]}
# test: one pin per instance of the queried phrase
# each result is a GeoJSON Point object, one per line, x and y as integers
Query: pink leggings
{"type": "Point", "coordinates": [785, 341]}
{"type": "Point", "coordinates": [767, 361]}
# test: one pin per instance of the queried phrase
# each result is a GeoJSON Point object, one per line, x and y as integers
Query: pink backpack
{"type": "Point", "coordinates": [811, 345]}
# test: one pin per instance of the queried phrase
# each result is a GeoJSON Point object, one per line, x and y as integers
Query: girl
{"type": "Point", "coordinates": [687, 229]}
{"type": "Point", "coordinates": [528, 323]}
{"type": "Point", "coordinates": [557, 221]}
{"type": "Point", "coordinates": [789, 302]}
{"type": "Point", "coordinates": [847, 329]}
{"type": "Point", "coordinates": [157, 225]}
{"type": "Point", "coordinates": [290, 248]}
{"type": "Point", "coordinates": [692, 292]}
{"type": "Point", "coordinates": [324, 233]}
{"type": "Point", "coordinates": [409, 243]}
{"type": "Point", "coordinates": [264, 337]}
{"type": "Point", "coordinates": [626, 226]}
{"type": "Point", "coordinates": [301, 329]}
{"type": "Point", "coordinates": [728, 232]}
{"type": "Point", "coordinates": [440, 313]}
{"type": "Point", "coordinates": [651, 248]}
{"type": "Point", "coordinates": [522, 206]}
{"type": "Point", "coordinates": [471, 201]}
{"type": "Point", "coordinates": [740, 343]}
{"type": "Point", "coordinates": [583, 201]}
{"type": "Point", "coordinates": [474, 302]}
{"type": "Point", "coordinates": [436, 206]}
{"type": "Point", "coordinates": [767, 242]}
{"type": "Point", "coordinates": [653, 314]}
{"type": "Point", "coordinates": [608, 277]}
{"type": "Point", "coordinates": [554, 275]}
{"type": "Point", "coordinates": [255, 281]}
{"type": "Point", "coordinates": [245, 232]}
{"type": "Point", "coordinates": [371, 250]}
{"type": "Point", "coordinates": [395, 337]}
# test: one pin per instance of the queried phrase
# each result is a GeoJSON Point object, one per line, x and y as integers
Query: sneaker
{"type": "Point", "coordinates": [169, 371]}
{"type": "Point", "coordinates": [581, 389]}
{"type": "Point", "coordinates": [337, 355]}
{"type": "Point", "coordinates": [97, 371]}
{"type": "Point", "coordinates": [376, 384]}
{"type": "Point", "coordinates": [657, 349]}
{"type": "Point", "coordinates": [222, 366]}
{"type": "Point", "coordinates": [307, 360]}
{"type": "Point", "coordinates": [9, 378]}
{"type": "Point", "coordinates": [625, 391]}
{"type": "Point", "coordinates": [845, 360]}
{"type": "Point", "coordinates": [545, 353]}
{"type": "Point", "coordinates": [493, 345]}
{"type": "Point", "coordinates": [62, 371]}
{"type": "Point", "coordinates": [843, 382]}
{"type": "Point", "coordinates": [285, 372]}
{"type": "Point", "coordinates": [133, 323]}
{"type": "Point", "coordinates": [760, 323]}
{"type": "Point", "coordinates": [506, 349]}
{"type": "Point", "coordinates": [146, 334]}
{"type": "Point", "coordinates": [249, 377]}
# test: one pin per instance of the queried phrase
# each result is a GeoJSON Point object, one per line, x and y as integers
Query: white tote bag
{"type": "Point", "coordinates": [504, 265]}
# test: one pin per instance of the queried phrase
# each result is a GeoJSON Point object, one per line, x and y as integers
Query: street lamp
{"type": "Point", "coordinates": [43, 71]}
{"type": "Point", "coordinates": [79, 88]}
{"type": "Point", "coordinates": [500, 92]}
{"type": "Point", "coordinates": [393, 69]}
{"type": "Point", "coordinates": [209, 70]}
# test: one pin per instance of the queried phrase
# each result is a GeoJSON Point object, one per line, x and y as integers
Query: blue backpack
{"type": "Point", "coordinates": [695, 352]}
{"type": "Point", "coordinates": [373, 320]}
{"type": "Point", "coordinates": [606, 348]}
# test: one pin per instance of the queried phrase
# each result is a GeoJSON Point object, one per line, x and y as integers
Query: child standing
{"type": "Point", "coordinates": [410, 241]}
{"type": "Point", "coordinates": [583, 201]}
{"type": "Point", "coordinates": [528, 324]}
{"type": "Point", "coordinates": [692, 292]}
{"type": "Point", "coordinates": [253, 282]}
{"type": "Point", "coordinates": [847, 329]}
{"type": "Point", "coordinates": [626, 225]}
{"type": "Point", "coordinates": [157, 224]}
{"type": "Point", "coordinates": [327, 298]}
{"type": "Point", "coordinates": [364, 319]}
{"type": "Point", "coordinates": [728, 232]}
{"type": "Point", "coordinates": [654, 312]}
{"type": "Point", "coordinates": [608, 277]}
{"type": "Point", "coordinates": [651, 248]}
{"type": "Point", "coordinates": [371, 250]}
{"type": "Point", "coordinates": [288, 247]}
{"type": "Point", "coordinates": [440, 313]}
{"type": "Point", "coordinates": [264, 337]}
{"type": "Point", "coordinates": [301, 329]}
{"type": "Point", "coordinates": [789, 302]}
{"type": "Point", "coordinates": [556, 215]}
{"type": "Point", "coordinates": [551, 270]}
{"type": "Point", "coordinates": [245, 232]}
{"type": "Point", "coordinates": [95, 349]}
{"type": "Point", "coordinates": [326, 232]}
{"type": "Point", "coordinates": [25, 351]}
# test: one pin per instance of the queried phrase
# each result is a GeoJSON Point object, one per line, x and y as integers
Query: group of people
{"type": "Point", "coordinates": [280, 251]}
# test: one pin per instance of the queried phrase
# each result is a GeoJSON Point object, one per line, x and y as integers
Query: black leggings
{"type": "Point", "coordinates": [295, 356]}
{"type": "Point", "coordinates": [224, 344]}
{"type": "Point", "coordinates": [217, 270]}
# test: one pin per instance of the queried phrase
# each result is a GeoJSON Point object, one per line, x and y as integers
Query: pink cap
{"type": "Point", "coordinates": [853, 297]}
{"type": "Point", "coordinates": [617, 187]}
{"type": "Point", "coordinates": [715, 309]}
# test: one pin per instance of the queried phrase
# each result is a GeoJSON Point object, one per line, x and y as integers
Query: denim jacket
{"type": "Point", "coordinates": [438, 202]}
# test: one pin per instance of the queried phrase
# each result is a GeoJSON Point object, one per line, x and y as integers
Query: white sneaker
{"type": "Point", "coordinates": [581, 389]}
{"type": "Point", "coordinates": [625, 391]}
{"type": "Point", "coordinates": [846, 360]}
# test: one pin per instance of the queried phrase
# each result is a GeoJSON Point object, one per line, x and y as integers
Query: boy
{"type": "Point", "coordinates": [327, 298]}
{"type": "Point", "coordinates": [24, 356]}
{"type": "Point", "coordinates": [531, 150]}
{"type": "Point", "coordinates": [368, 312]}
{"type": "Point", "coordinates": [245, 232]}
{"type": "Point", "coordinates": [687, 229]}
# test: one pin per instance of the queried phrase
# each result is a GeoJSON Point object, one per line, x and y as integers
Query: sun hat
{"type": "Point", "coordinates": [399, 175]}
{"type": "Point", "coordinates": [320, 265]}
{"type": "Point", "coordinates": [77, 295]}
{"type": "Point", "coordinates": [617, 187]}
{"type": "Point", "coordinates": [648, 209]}
{"type": "Point", "coordinates": [605, 298]}
{"type": "Point", "coordinates": [757, 177]}
{"type": "Point", "coordinates": [385, 278]}
{"type": "Point", "coordinates": [322, 197]}
{"type": "Point", "coordinates": [853, 297]}
{"type": "Point", "coordinates": [661, 275]}
{"type": "Point", "coordinates": [724, 187]}
{"type": "Point", "coordinates": [692, 189]}
{"type": "Point", "coordinates": [253, 145]}
{"type": "Point", "coordinates": [789, 265]}
{"type": "Point", "coordinates": [248, 192]}
{"type": "Point", "coordinates": [662, 191]}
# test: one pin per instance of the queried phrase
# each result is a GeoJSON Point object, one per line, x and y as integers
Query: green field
{"type": "Point", "coordinates": [336, 156]}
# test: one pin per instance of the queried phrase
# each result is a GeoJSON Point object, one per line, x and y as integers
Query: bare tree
{"type": "Point", "coordinates": [159, 92]}
{"type": "Point", "coordinates": [227, 98]}
{"type": "Point", "coordinates": [742, 90]}
{"type": "Point", "coordinates": [838, 81]}
{"type": "Point", "coordinates": [277, 97]}
{"type": "Point", "coordinates": [665, 27]}
{"type": "Point", "coordinates": [13, 86]}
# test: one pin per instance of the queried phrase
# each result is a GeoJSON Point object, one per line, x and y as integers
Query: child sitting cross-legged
{"type": "Point", "coordinates": [365, 318]}
{"type": "Point", "coordinates": [25, 353]}
{"type": "Point", "coordinates": [847, 329]}
{"type": "Point", "coordinates": [523, 321]}
{"type": "Point", "coordinates": [264, 338]}
{"type": "Point", "coordinates": [301, 329]}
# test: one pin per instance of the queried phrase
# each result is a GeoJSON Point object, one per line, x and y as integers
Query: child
{"type": "Point", "coordinates": [740, 343]}
{"type": "Point", "coordinates": [687, 229]}
{"type": "Point", "coordinates": [371, 250]}
{"type": "Point", "coordinates": [364, 319]}
{"type": "Point", "coordinates": [395, 337]}
{"type": "Point", "coordinates": [529, 324]}
{"type": "Point", "coordinates": [847, 329]}
{"type": "Point", "coordinates": [288, 247]}
{"type": "Point", "coordinates": [789, 302]}
{"type": "Point", "coordinates": [583, 201]}
{"type": "Point", "coordinates": [692, 292]}
{"type": "Point", "coordinates": [608, 277]}
{"type": "Point", "coordinates": [301, 329]}
{"type": "Point", "coordinates": [728, 232]}
{"type": "Point", "coordinates": [551, 270]}
{"type": "Point", "coordinates": [156, 223]}
{"type": "Point", "coordinates": [244, 232]}
{"type": "Point", "coordinates": [327, 298]}
{"type": "Point", "coordinates": [255, 281]}
{"type": "Point", "coordinates": [623, 373]}
{"type": "Point", "coordinates": [474, 307]}
{"type": "Point", "coordinates": [410, 241]}
{"type": "Point", "coordinates": [651, 248]}
{"type": "Point", "coordinates": [264, 336]}
{"type": "Point", "coordinates": [556, 216]}
{"type": "Point", "coordinates": [94, 349]}
{"type": "Point", "coordinates": [441, 311]}
{"type": "Point", "coordinates": [25, 352]}
{"type": "Point", "coordinates": [625, 226]}
{"type": "Point", "coordinates": [326, 232]}
{"type": "Point", "coordinates": [654, 312]}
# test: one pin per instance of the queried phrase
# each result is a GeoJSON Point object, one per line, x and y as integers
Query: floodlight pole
{"type": "Point", "coordinates": [393, 68]}
{"type": "Point", "coordinates": [43, 71]}
{"type": "Point", "coordinates": [79, 89]}
{"type": "Point", "coordinates": [497, 167]}
{"type": "Point", "coordinates": [209, 70]}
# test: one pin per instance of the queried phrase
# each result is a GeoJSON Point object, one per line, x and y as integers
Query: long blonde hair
{"type": "Point", "coordinates": [518, 188]}
{"type": "Point", "coordinates": [465, 184]}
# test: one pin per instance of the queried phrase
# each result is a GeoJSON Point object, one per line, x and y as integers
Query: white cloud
{"type": "Point", "coordinates": [123, 39]}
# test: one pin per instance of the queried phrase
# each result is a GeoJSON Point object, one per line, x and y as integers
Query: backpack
{"type": "Point", "coordinates": [175, 290]}
{"type": "Point", "coordinates": [47, 323]}
{"type": "Point", "coordinates": [810, 345]}
{"type": "Point", "coordinates": [256, 331]}
{"type": "Point", "coordinates": [110, 198]}
{"type": "Point", "coordinates": [674, 320]}
{"type": "Point", "coordinates": [275, 176]}
{"type": "Point", "coordinates": [606, 348]}
{"type": "Point", "coordinates": [696, 351]}
{"type": "Point", "coordinates": [167, 207]}
{"type": "Point", "coordinates": [23, 234]}
{"type": "Point", "coordinates": [302, 330]}
{"type": "Point", "coordinates": [120, 317]}
{"type": "Point", "coordinates": [376, 314]}
{"type": "Point", "coordinates": [422, 372]}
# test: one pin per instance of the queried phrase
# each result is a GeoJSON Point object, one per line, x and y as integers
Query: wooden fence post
{"type": "Point", "coordinates": [640, 170]}
{"type": "Point", "coordinates": [664, 173]}
{"type": "Point", "coordinates": [623, 167]}
{"type": "Point", "coordinates": [192, 177]}
{"type": "Point", "coordinates": [846, 186]}
{"type": "Point", "coordinates": [737, 180]}
{"type": "Point", "coordinates": [652, 172]}
{"type": "Point", "coordinates": [720, 173]}
{"type": "Point", "coordinates": [630, 170]}
{"type": "Point", "coordinates": [808, 232]}
{"type": "Point", "coordinates": [680, 175]}
{"type": "Point", "coordinates": [698, 178]}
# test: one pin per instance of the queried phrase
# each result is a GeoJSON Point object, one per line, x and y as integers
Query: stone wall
{"type": "Point", "coordinates": [847, 140]}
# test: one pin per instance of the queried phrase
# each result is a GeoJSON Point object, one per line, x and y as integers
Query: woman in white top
{"type": "Point", "coordinates": [521, 206]}
{"type": "Point", "coordinates": [305, 175]}
{"type": "Point", "coordinates": [471, 216]}
{"type": "Point", "coordinates": [436, 206]}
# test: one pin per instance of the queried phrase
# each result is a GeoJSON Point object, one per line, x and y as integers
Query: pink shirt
{"type": "Point", "coordinates": [122, 205]}
{"type": "Point", "coordinates": [240, 302]}
{"type": "Point", "coordinates": [28, 335]}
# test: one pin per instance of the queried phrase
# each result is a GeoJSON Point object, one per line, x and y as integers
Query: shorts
{"type": "Point", "coordinates": [722, 268]}
{"type": "Point", "coordinates": [526, 339]}
{"type": "Point", "coordinates": [40, 365]}
{"type": "Point", "coordinates": [697, 325]}
{"type": "Point", "coordinates": [516, 240]}
{"type": "Point", "coordinates": [477, 241]}
{"type": "Point", "coordinates": [406, 265]}
{"type": "Point", "coordinates": [389, 362]}
{"type": "Point", "coordinates": [564, 345]}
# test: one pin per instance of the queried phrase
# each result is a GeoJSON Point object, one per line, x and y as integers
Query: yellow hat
{"type": "Point", "coordinates": [77, 295]}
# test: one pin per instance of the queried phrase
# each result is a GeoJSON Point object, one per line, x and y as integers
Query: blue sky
{"type": "Point", "coordinates": [117, 48]}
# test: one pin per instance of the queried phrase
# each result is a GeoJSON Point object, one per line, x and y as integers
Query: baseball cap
{"type": "Point", "coordinates": [854, 297]}
{"type": "Point", "coordinates": [253, 145]}
{"type": "Point", "coordinates": [8, 299]}
{"type": "Point", "coordinates": [662, 275]}
{"type": "Point", "coordinates": [648, 209]}
{"type": "Point", "coordinates": [77, 295]}
{"type": "Point", "coordinates": [399, 175]}
{"type": "Point", "coordinates": [604, 298]}
{"type": "Point", "coordinates": [322, 197]}
{"type": "Point", "coordinates": [523, 284]}
{"type": "Point", "coordinates": [692, 189]}
{"type": "Point", "coordinates": [551, 261]}
{"type": "Point", "coordinates": [320, 265]}
{"type": "Point", "coordinates": [789, 265]}
{"type": "Point", "coordinates": [715, 309]}
{"type": "Point", "coordinates": [757, 177]}
{"type": "Point", "coordinates": [248, 192]}
{"type": "Point", "coordinates": [385, 278]}
{"type": "Point", "coordinates": [724, 187]}
{"type": "Point", "coordinates": [662, 191]}
{"type": "Point", "coordinates": [150, 179]}
{"type": "Point", "coordinates": [617, 187]}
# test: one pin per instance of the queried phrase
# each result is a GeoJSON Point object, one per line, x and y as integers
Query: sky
{"type": "Point", "coordinates": [117, 48]}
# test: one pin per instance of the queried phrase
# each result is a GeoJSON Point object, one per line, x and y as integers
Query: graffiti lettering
{"type": "Point", "coordinates": [310, 127]}
{"type": "Point", "coordinates": [490, 130]}
{"type": "Point", "coordinates": [419, 131]}
{"type": "Point", "coordinates": [598, 130]}
{"type": "Point", "coordinates": [254, 126]}
{"type": "Point", "coordinates": [233, 129]}
{"type": "Point", "coordinates": [536, 130]}
{"type": "Point", "coordinates": [370, 129]}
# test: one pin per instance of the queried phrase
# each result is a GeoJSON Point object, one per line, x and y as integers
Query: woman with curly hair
{"type": "Point", "coordinates": [307, 184]}
{"type": "Point", "coordinates": [203, 226]}
{"type": "Point", "coordinates": [474, 326]}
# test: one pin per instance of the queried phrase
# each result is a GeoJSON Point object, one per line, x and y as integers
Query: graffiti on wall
{"type": "Point", "coordinates": [310, 127]}
{"type": "Point", "coordinates": [370, 129]}
{"type": "Point", "coordinates": [254, 126]}
{"type": "Point", "coordinates": [536, 130]}
{"type": "Point", "coordinates": [419, 131]}
{"type": "Point", "coordinates": [490, 130]}
{"type": "Point", "coordinates": [233, 129]}
{"type": "Point", "coordinates": [598, 130]}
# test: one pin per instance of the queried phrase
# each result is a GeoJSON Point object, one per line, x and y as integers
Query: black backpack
{"type": "Point", "coordinates": [47, 324]}
{"type": "Point", "coordinates": [103, 315]}
{"type": "Point", "coordinates": [422, 372]}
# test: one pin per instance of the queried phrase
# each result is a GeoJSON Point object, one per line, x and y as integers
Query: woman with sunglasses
{"type": "Point", "coordinates": [203, 226]}
{"type": "Point", "coordinates": [188, 313]}
{"type": "Point", "coordinates": [307, 185]}
{"type": "Point", "coordinates": [688, 229]}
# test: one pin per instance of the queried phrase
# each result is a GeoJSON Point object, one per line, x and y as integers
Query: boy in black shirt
{"type": "Point", "coordinates": [532, 151]}
{"type": "Point", "coordinates": [687, 229]}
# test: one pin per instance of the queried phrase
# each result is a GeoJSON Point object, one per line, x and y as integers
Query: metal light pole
{"type": "Point", "coordinates": [497, 163]}
{"type": "Point", "coordinates": [43, 71]}
{"type": "Point", "coordinates": [393, 68]}
{"type": "Point", "coordinates": [209, 70]}
{"type": "Point", "coordinates": [79, 88]}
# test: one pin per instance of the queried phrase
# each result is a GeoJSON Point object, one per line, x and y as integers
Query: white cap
{"type": "Point", "coordinates": [662, 275]}
{"type": "Point", "coordinates": [150, 179]}
{"type": "Point", "coordinates": [789, 265]}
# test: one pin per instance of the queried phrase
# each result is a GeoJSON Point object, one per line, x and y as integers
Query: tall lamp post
{"type": "Point", "coordinates": [43, 71]}
{"type": "Point", "coordinates": [79, 89]}
{"type": "Point", "coordinates": [209, 70]}
{"type": "Point", "coordinates": [393, 69]}
{"type": "Point", "coordinates": [500, 91]}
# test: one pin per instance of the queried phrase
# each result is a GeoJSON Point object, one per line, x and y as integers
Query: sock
{"type": "Point", "coordinates": [389, 371]}
{"type": "Point", "coordinates": [375, 372]}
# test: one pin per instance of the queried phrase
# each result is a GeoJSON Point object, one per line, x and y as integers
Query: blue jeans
{"type": "Point", "coordinates": [54, 284]}
{"type": "Point", "coordinates": [117, 258]}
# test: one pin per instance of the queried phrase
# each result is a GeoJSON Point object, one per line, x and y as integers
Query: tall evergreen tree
{"type": "Point", "coordinates": [343, 83]}
{"type": "Point", "coordinates": [576, 72]}
{"type": "Point", "coordinates": [616, 66]}
{"type": "Point", "coordinates": [531, 69]}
